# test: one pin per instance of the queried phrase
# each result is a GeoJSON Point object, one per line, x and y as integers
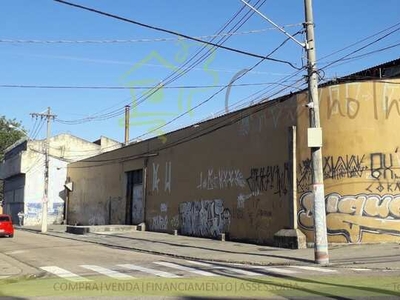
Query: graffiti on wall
{"type": "Point", "coordinates": [384, 175]}
{"type": "Point", "coordinates": [159, 223]}
{"type": "Point", "coordinates": [156, 180]}
{"type": "Point", "coordinates": [204, 218]}
{"type": "Point", "coordinates": [221, 179]}
{"type": "Point", "coordinates": [167, 177]}
{"type": "Point", "coordinates": [33, 213]}
{"type": "Point", "coordinates": [270, 178]}
{"type": "Point", "coordinates": [352, 215]}
{"type": "Point", "coordinates": [353, 102]}
{"type": "Point", "coordinates": [241, 200]}
{"type": "Point", "coordinates": [335, 168]}
{"type": "Point", "coordinates": [174, 222]}
{"type": "Point", "coordinates": [272, 116]}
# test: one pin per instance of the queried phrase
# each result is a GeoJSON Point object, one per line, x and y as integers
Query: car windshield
{"type": "Point", "coordinates": [4, 219]}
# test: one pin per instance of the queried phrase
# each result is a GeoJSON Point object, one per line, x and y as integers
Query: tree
{"type": "Point", "coordinates": [8, 136]}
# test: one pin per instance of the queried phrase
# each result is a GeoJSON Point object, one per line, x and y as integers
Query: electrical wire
{"type": "Point", "coordinates": [173, 33]}
{"type": "Point", "coordinates": [177, 73]}
{"type": "Point", "coordinates": [230, 119]}
{"type": "Point", "coordinates": [39, 128]}
{"type": "Point", "coordinates": [127, 88]}
{"type": "Point", "coordinates": [361, 48]}
{"type": "Point", "coordinates": [358, 42]}
{"type": "Point", "coordinates": [215, 94]}
{"type": "Point", "coordinates": [281, 83]}
{"type": "Point", "coordinates": [143, 40]}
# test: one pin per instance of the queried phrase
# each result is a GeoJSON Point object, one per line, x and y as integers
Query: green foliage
{"type": "Point", "coordinates": [8, 136]}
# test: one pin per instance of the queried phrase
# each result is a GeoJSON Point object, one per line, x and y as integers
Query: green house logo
{"type": "Point", "coordinates": [155, 117]}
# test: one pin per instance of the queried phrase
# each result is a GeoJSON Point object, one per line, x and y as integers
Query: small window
{"type": "Point", "coordinates": [4, 219]}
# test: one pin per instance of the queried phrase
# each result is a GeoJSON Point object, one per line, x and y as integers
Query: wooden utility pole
{"type": "Point", "coordinates": [48, 116]}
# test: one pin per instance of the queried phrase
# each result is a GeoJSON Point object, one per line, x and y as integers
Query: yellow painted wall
{"type": "Point", "coordinates": [361, 140]}
{"type": "Point", "coordinates": [234, 180]}
{"type": "Point", "coordinates": [201, 181]}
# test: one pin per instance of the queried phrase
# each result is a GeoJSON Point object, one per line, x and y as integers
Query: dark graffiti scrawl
{"type": "Point", "coordinates": [270, 178]}
{"type": "Point", "coordinates": [347, 166]}
{"type": "Point", "coordinates": [352, 215]}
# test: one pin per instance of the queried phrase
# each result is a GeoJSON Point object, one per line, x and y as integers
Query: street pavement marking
{"type": "Point", "coordinates": [323, 270]}
{"type": "Point", "coordinates": [239, 271]}
{"type": "Point", "coordinates": [184, 268]}
{"type": "Point", "coordinates": [16, 252]}
{"type": "Point", "coordinates": [3, 277]}
{"type": "Point", "coordinates": [107, 272]}
{"type": "Point", "coordinates": [276, 270]}
{"type": "Point", "coordinates": [270, 269]}
{"type": "Point", "coordinates": [64, 273]}
{"type": "Point", "coordinates": [150, 271]}
{"type": "Point", "coordinates": [361, 269]}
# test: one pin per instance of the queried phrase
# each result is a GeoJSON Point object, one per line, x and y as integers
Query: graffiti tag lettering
{"type": "Point", "coordinates": [352, 215]}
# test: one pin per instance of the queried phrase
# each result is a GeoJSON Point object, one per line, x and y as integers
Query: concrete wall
{"type": "Point", "coordinates": [14, 196]}
{"type": "Point", "coordinates": [361, 162]}
{"type": "Point", "coordinates": [27, 157]}
{"type": "Point", "coordinates": [105, 204]}
{"type": "Point", "coordinates": [233, 180]}
{"type": "Point", "coordinates": [34, 189]}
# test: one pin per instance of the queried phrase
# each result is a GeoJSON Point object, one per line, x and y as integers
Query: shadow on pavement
{"type": "Point", "coordinates": [298, 280]}
{"type": "Point", "coordinates": [215, 250]}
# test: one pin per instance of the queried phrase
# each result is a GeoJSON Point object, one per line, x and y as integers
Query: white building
{"type": "Point", "coordinates": [23, 173]}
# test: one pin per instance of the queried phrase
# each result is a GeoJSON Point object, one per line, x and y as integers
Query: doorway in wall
{"type": "Point", "coordinates": [134, 197]}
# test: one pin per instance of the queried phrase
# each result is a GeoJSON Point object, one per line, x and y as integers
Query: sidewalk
{"type": "Point", "coordinates": [371, 256]}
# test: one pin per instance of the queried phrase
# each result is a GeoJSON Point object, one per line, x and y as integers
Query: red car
{"type": "Point", "coordinates": [6, 226]}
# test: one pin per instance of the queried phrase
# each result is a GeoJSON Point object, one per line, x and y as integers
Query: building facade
{"type": "Point", "coordinates": [23, 171]}
{"type": "Point", "coordinates": [248, 174]}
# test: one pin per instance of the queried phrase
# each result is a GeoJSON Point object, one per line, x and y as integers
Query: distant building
{"type": "Point", "coordinates": [23, 173]}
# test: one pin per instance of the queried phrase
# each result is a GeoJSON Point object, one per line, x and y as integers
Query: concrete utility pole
{"type": "Point", "coordinates": [321, 255]}
{"type": "Point", "coordinates": [48, 116]}
{"type": "Point", "coordinates": [314, 133]}
{"type": "Point", "coordinates": [127, 122]}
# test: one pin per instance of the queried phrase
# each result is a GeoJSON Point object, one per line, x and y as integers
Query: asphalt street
{"type": "Point", "coordinates": [35, 266]}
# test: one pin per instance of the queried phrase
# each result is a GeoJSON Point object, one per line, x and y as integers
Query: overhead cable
{"type": "Point", "coordinates": [174, 33]}
{"type": "Point", "coordinates": [143, 40]}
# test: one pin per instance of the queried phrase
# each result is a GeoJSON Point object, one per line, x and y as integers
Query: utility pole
{"type": "Point", "coordinates": [48, 116]}
{"type": "Point", "coordinates": [321, 255]}
{"type": "Point", "coordinates": [314, 133]}
{"type": "Point", "coordinates": [127, 123]}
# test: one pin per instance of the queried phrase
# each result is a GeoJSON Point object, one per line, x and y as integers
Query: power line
{"type": "Point", "coordinates": [361, 48]}
{"type": "Point", "coordinates": [22, 86]}
{"type": "Point", "coordinates": [215, 94]}
{"type": "Point", "coordinates": [356, 57]}
{"type": "Point", "coordinates": [358, 42]}
{"type": "Point", "coordinates": [143, 40]}
{"type": "Point", "coordinates": [222, 123]}
{"type": "Point", "coordinates": [280, 83]}
{"type": "Point", "coordinates": [179, 72]}
{"type": "Point", "coordinates": [174, 33]}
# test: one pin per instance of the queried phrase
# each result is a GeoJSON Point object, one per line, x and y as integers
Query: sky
{"type": "Point", "coordinates": [87, 66]}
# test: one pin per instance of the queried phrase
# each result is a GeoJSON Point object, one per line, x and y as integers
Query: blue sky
{"type": "Point", "coordinates": [85, 57]}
